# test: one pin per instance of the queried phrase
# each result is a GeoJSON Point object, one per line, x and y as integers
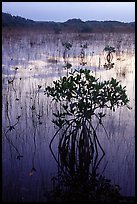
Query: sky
{"type": "Point", "coordinates": [62, 11]}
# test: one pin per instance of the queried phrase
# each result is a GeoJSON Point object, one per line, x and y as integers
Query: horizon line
{"type": "Point", "coordinates": [67, 19]}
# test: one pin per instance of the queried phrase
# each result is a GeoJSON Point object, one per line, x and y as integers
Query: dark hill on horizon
{"type": "Point", "coordinates": [71, 25]}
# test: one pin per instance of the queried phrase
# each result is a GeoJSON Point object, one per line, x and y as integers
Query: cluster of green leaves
{"type": "Point", "coordinates": [109, 49]}
{"type": "Point", "coordinates": [84, 46]}
{"type": "Point", "coordinates": [67, 45]}
{"type": "Point", "coordinates": [81, 94]}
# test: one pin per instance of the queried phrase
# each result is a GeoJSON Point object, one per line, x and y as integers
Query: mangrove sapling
{"type": "Point", "coordinates": [82, 54]}
{"type": "Point", "coordinates": [67, 46]}
{"type": "Point", "coordinates": [109, 57]}
{"type": "Point", "coordinates": [82, 98]}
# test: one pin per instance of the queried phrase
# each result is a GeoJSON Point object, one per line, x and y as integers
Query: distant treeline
{"type": "Point", "coordinates": [72, 25]}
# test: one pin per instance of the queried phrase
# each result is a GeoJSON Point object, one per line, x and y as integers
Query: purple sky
{"type": "Point", "coordinates": [62, 11]}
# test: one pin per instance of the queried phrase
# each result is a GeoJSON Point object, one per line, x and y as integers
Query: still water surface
{"type": "Point", "coordinates": [37, 59]}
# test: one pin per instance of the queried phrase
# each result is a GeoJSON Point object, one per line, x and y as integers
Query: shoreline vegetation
{"type": "Point", "coordinates": [71, 25]}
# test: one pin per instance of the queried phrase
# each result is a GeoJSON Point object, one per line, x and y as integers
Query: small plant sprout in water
{"type": "Point", "coordinates": [82, 54]}
{"type": "Point", "coordinates": [67, 46]}
{"type": "Point", "coordinates": [109, 57]}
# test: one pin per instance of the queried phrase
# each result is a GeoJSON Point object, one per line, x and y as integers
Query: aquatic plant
{"type": "Point", "coordinates": [109, 57]}
{"type": "Point", "coordinates": [67, 46]}
{"type": "Point", "coordinates": [83, 99]}
{"type": "Point", "coordinates": [82, 54]}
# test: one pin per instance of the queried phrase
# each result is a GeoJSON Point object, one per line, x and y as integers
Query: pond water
{"type": "Point", "coordinates": [33, 59]}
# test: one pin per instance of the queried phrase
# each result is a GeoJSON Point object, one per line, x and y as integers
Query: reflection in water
{"type": "Point", "coordinates": [26, 104]}
{"type": "Point", "coordinates": [82, 103]}
{"type": "Point", "coordinates": [75, 181]}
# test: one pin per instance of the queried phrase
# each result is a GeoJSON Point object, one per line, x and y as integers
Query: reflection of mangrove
{"type": "Point", "coordinates": [33, 169]}
{"type": "Point", "coordinates": [72, 188]}
{"type": "Point", "coordinates": [109, 57]}
{"type": "Point", "coordinates": [10, 128]}
{"type": "Point", "coordinates": [36, 114]}
{"type": "Point", "coordinates": [83, 99]}
{"type": "Point", "coordinates": [19, 156]}
{"type": "Point", "coordinates": [122, 73]}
